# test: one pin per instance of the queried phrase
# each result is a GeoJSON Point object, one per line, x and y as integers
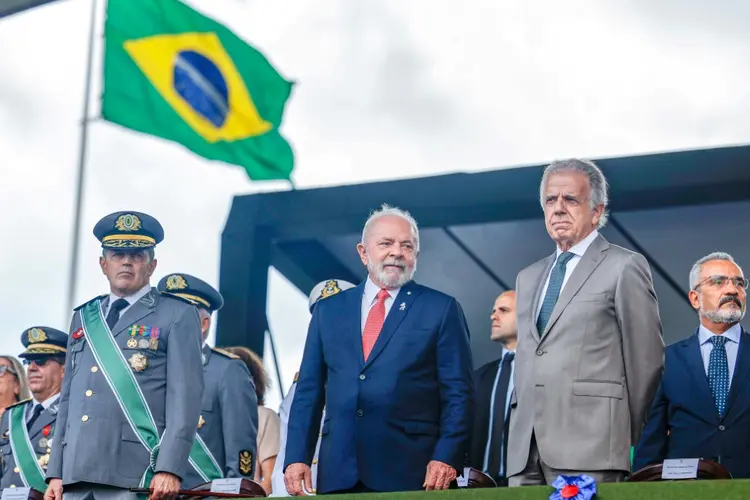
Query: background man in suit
{"type": "Point", "coordinates": [494, 382]}
{"type": "Point", "coordinates": [590, 352]}
{"type": "Point", "coordinates": [324, 289]}
{"type": "Point", "coordinates": [391, 361]}
{"type": "Point", "coordinates": [157, 374]}
{"type": "Point", "coordinates": [45, 357]}
{"type": "Point", "coordinates": [229, 409]}
{"type": "Point", "coordinates": [702, 409]}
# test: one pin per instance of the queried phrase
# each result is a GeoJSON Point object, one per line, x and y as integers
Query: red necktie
{"type": "Point", "coordinates": [374, 324]}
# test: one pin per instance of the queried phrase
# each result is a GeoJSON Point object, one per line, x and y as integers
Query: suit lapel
{"type": "Point", "coordinates": [355, 322]}
{"type": "Point", "coordinates": [399, 309]}
{"type": "Point", "coordinates": [46, 418]}
{"type": "Point", "coordinates": [142, 308]}
{"type": "Point", "coordinates": [690, 350]}
{"type": "Point", "coordinates": [591, 259]}
{"type": "Point", "coordinates": [540, 278]}
{"type": "Point", "coordinates": [741, 369]}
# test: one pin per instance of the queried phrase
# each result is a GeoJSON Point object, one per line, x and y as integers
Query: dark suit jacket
{"type": "Point", "coordinates": [411, 402]}
{"type": "Point", "coordinates": [484, 379]}
{"type": "Point", "coordinates": [685, 407]}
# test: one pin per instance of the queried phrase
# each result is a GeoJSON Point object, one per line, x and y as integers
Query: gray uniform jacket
{"type": "Point", "coordinates": [229, 416]}
{"type": "Point", "coordinates": [94, 441]}
{"type": "Point", "coordinates": [41, 443]}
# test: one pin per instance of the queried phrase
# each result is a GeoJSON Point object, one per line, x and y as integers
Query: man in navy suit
{"type": "Point", "coordinates": [391, 361]}
{"type": "Point", "coordinates": [702, 408]}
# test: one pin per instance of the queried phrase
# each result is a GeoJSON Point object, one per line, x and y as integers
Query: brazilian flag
{"type": "Point", "coordinates": [176, 74]}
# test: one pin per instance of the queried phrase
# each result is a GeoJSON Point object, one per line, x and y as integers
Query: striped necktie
{"type": "Point", "coordinates": [553, 291]}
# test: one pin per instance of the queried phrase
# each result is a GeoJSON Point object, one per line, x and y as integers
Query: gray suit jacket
{"type": "Point", "coordinates": [584, 387]}
{"type": "Point", "coordinates": [229, 416]}
{"type": "Point", "coordinates": [94, 441]}
{"type": "Point", "coordinates": [42, 444]}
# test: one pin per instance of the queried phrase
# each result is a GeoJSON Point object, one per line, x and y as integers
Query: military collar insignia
{"type": "Point", "coordinates": [246, 462]}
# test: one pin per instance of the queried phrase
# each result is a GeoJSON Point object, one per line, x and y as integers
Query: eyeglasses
{"type": "Point", "coordinates": [6, 368]}
{"type": "Point", "coordinates": [721, 281]}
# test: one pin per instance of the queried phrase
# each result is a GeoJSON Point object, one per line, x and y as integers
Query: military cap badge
{"type": "Point", "coordinates": [128, 222]}
{"type": "Point", "coordinates": [331, 288]}
{"type": "Point", "coordinates": [176, 282]}
{"type": "Point", "coordinates": [36, 335]}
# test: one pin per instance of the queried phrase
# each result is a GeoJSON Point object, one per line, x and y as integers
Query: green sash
{"type": "Point", "coordinates": [24, 455]}
{"type": "Point", "coordinates": [121, 380]}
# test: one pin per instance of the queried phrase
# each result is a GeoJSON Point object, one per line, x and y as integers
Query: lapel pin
{"type": "Point", "coordinates": [402, 306]}
{"type": "Point", "coordinates": [408, 293]}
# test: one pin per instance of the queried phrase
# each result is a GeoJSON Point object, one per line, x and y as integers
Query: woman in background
{"type": "Point", "coordinates": [269, 424]}
{"type": "Point", "coordinates": [13, 386]}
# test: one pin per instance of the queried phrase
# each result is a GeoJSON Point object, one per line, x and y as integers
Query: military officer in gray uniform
{"type": "Point", "coordinates": [25, 452]}
{"type": "Point", "coordinates": [131, 396]}
{"type": "Point", "coordinates": [229, 409]}
{"type": "Point", "coordinates": [320, 291]}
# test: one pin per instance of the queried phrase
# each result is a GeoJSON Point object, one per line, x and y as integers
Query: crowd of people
{"type": "Point", "coordinates": [386, 397]}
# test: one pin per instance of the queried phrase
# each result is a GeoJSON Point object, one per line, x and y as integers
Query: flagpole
{"type": "Point", "coordinates": [81, 167]}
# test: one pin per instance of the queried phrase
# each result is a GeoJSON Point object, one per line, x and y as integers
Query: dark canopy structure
{"type": "Point", "coordinates": [478, 230]}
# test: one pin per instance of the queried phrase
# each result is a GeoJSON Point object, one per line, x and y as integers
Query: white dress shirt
{"type": "Point", "coordinates": [577, 250]}
{"type": "Point", "coordinates": [370, 297]}
{"type": "Point", "coordinates": [45, 404]}
{"type": "Point", "coordinates": [732, 346]}
{"type": "Point", "coordinates": [132, 299]}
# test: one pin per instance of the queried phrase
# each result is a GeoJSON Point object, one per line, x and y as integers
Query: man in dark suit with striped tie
{"type": "Point", "coordinates": [494, 383]}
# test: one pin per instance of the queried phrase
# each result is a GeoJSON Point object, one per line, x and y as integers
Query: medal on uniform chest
{"type": "Point", "coordinates": [143, 344]}
{"type": "Point", "coordinates": [153, 342]}
{"type": "Point", "coordinates": [138, 362]}
{"type": "Point", "coordinates": [45, 441]}
{"type": "Point", "coordinates": [132, 343]}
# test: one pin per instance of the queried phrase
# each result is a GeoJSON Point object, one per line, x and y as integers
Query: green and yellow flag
{"type": "Point", "coordinates": [176, 74]}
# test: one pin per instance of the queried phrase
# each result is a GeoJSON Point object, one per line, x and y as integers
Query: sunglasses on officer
{"type": "Point", "coordinates": [41, 361]}
{"type": "Point", "coordinates": [6, 368]}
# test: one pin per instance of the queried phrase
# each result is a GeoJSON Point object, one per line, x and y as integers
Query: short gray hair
{"type": "Point", "coordinates": [695, 272]}
{"type": "Point", "coordinates": [385, 210]}
{"type": "Point", "coordinates": [597, 182]}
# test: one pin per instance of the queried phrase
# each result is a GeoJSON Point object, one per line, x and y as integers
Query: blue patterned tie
{"type": "Point", "coordinates": [718, 373]}
{"type": "Point", "coordinates": [553, 291]}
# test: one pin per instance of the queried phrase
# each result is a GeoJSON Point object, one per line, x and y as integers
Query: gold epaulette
{"type": "Point", "coordinates": [225, 353]}
{"type": "Point", "coordinates": [103, 296]}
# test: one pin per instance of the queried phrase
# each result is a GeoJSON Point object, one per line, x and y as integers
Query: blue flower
{"type": "Point", "coordinates": [581, 487]}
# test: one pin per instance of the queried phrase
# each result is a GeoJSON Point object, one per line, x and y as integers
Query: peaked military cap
{"type": "Point", "coordinates": [42, 342]}
{"type": "Point", "coordinates": [193, 289]}
{"type": "Point", "coordinates": [326, 289]}
{"type": "Point", "coordinates": [129, 231]}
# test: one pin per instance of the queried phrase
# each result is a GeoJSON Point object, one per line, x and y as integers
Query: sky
{"type": "Point", "coordinates": [385, 90]}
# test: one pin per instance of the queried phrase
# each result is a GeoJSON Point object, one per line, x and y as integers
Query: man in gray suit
{"type": "Point", "coordinates": [27, 427]}
{"type": "Point", "coordinates": [131, 396]}
{"type": "Point", "coordinates": [229, 410]}
{"type": "Point", "coordinates": [590, 351]}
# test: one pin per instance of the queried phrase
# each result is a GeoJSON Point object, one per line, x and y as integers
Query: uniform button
{"type": "Point", "coordinates": [315, 461]}
{"type": "Point", "coordinates": [721, 428]}
{"type": "Point", "coordinates": [85, 418]}
{"type": "Point", "coordinates": [539, 352]}
{"type": "Point", "coordinates": [12, 485]}
{"type": "Point", "coordinates": [89, 393]}
{"type": "Point", "coordinates": [94, 369]}
{"type": "Point", "coordinates": [16, 470]}
{"type": "Point", "coordinates": [360, 413]}
{"type": "Point", "coordinates": [362, 376]}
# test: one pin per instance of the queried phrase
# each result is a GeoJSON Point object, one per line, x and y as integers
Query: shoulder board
{"type": "Point", "coordinates": [177, 297]}
{"type": "Point", "coordinates": [225, 353]}
{"type": "Point", "coordinates": [296, 377]}
{"type": "Point", "coordinates": [103, 296]}
{"type": "Point", "coordinates": [19, 403]}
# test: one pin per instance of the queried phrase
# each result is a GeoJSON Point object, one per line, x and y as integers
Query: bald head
{"type": "Point", "coordinates": [504, 319]}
